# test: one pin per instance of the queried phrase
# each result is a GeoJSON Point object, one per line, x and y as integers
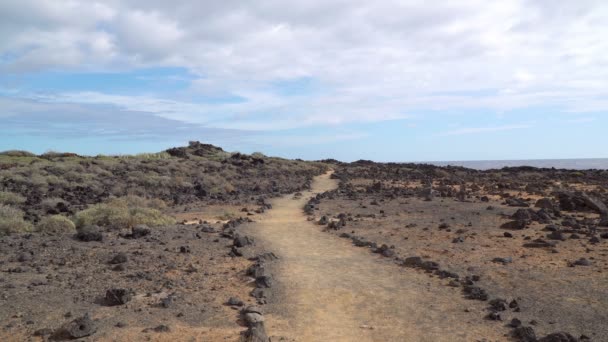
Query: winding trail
{"type": "Point", "coordinates": [329, 290]}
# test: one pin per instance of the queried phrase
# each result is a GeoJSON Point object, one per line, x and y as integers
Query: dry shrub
{"type": "Point", "coordinates": [11, 221]}
{"type": "Point", "coordinates": [55, 224]}
{"type": "Point", "coordinates": [11, 198]}
{"type": "Point", "coordinates": [124, 212]}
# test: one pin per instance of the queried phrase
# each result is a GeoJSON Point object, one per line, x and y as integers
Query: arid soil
{"type": "Point", "coordinates": [178, 279]}
{"type": "Point", "coordinates": [328, 290]}
{"type": "Point", "coordinates": [367, 252]}
{"type": "Point", "coordinates": [545, 269]}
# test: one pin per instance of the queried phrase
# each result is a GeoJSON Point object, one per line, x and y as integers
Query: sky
{"type": "Point", "coordinates": [381, 80]}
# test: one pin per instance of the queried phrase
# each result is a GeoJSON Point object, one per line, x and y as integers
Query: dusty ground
{"type": "Point", "coordinates": [48, 281]}
{"type": "Point", "coordinates": [329, 291]}
{"type": "Point", "coordinates": [464, 237]}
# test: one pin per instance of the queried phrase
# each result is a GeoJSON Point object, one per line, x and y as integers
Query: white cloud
{"type": "Point", "coordinates": [477, 130]}
{"type": "Point", "coordinates": [375, 60]}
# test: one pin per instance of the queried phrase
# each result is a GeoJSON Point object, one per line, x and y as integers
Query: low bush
{"type": "Point", "coordinates": [11, 198]}
{"type": "Point", "coordinates": [11, 221]}
{"type": "Point", "coordinates": [124, 212]}
{"type": "Point", "coordinates": [55, 224]}
{"type": "Point", "coordinates": [17, 153]}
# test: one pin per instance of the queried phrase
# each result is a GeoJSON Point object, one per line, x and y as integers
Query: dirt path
{"type": "Point", "coordinates": [330, 291]}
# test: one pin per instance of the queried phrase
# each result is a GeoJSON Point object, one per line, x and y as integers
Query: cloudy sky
{"type": "Point", "coordinates": [383, 80]}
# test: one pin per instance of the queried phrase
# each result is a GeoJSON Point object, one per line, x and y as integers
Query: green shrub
{"type": "Point", "coordinates": [11, 221]}
{"type": "Point", "coordinates": [17, 153]}
{"type": "Point", "coordinates": [51, 203]}
{"type": "Point", "coordinates": [124, 212]}
{"type": "Point", "coordinates": [55, 224]}
{"type": "Point", "coordinates": [11, 198]}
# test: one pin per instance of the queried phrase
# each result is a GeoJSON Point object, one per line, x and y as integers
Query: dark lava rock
{"type": "Point", "coordinates": [256, 333]}
{"type": "Point", "coordinates": [166, 302]}
{"type": "Point", "coordinates": [558, 337]}
{"type": "Point", "coordinates": [118, 296]}
{"type": "Point", "coordinates": [551, 228]}
{"type": "Point", "coordinates": [540, 243]}
{"type": "Point", "coordinates": [233, 301]}
{"type": "Point", "coordinates": [119, 268]}
{"type": "Point", "coordinates": [507, 235]}
{"type": "Point", "coordinates": [43, 332]}
{"type": "Point", "coordinates": [545, 203]}
{"type": "Point", "coordinates": [119, 258]}
{"type": "Point", "coordinates": [264, 281]}
{"type": "Point", "coordinates": [89, 233]}
{"type": "Point", "coordinates": [414, 261]}
{"type": "Point", "coordinates": [503, 261]}
{"type": "Point", "coordinates": [259, 293]}
{"type": "Point", "coordinates": [385, 251]}
{"type": "Point", "coordinates": [494, 316]}
{"type": "Point", "coordinates": [498, 304]}
{"type": "Point", "coordinates": [446, 274]}
{"type": "Point", "coordinates": [556, 236]}
{"type": "Point", "coordinates": [523, 215]}
{"type": "Point", "coordinates": [242, 241]}
{"type": "Point", "coordinates": [23, 257]}
{"type": "Point", "coordinates": [515, 323]}
{"type": "Point", "coordinates": [162, 328]}
{"type": "Point", "coordinates": [582, 262]}
{"type": "Point", "coordinates": [265, 257]}
{"type": "Point", "coordinates": [475, 293]}
{"type": "Point", "coordinates": [459, 239]}
{"type": "Point", "coordinates": [524, 334]}
{"type": "Point", "coordinates": [235, 252]}
{"type": "Point", "coordinates": [139, 231]}
{"type": "Point", "coordinates": [323, 221]}
{"type": "Point", "coordinates": [184, 249]}
{"type": "Point", "coordinates": [78, 328]}
{"type": "Point", "coordinates": [429, 266]}
{"type": "Point", "coordinates": [517, 224]}
{"type": "Point", "coordinates": [594, 239]}
{"type": "Point", "coordinates": [207, 229]}
{"type": "Point", "coordinates": [517, 202]}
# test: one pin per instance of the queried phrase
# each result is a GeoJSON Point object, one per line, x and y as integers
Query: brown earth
{"type": "Point", "coordinates": [63, 278]}
{"type": "Point", "coordinates": [329, 291]}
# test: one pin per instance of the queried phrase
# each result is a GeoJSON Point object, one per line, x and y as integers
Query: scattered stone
{"type": "Point", "coordinates": [242, 241]}
{"type": "Point", "coordinates": [78, 328]}
{"type": "Point", "coordinates": [119, 258]}
{"type": "Point", "coordinates": [475, 293]}
{"type": "Point", "coordinates": [524, 334]}
{"type": "Point", "coordinates": [118, 296]}
{"type": "Point", "coordinates": [582, 262]}
{"type": "Point", "coordinates": [139, 231]}
{"type": "Point", "coordinates": [503, 261]}
{"type": "Point", "coordinates": [515, 225]}
{"type": "Point", "coordinates": [515, 323]}
{"type": "Point", "coordinates": [233, 301]}
{"type": "Point", "coordinates": [414, 261]}
{"type": "Point", "coordinates": [89, 233]}
{"type": "Point", "coordinates": [558, 337]}
{"type": "Point", "coordinates": [162, 329]}
{"type": "Point", "coordinates": [556, 236]}
{"type": "Point", "coordinates": [540, 243]}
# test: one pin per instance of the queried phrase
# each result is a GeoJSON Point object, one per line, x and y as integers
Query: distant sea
{"type": "Point", "coordinates": [573, 164]}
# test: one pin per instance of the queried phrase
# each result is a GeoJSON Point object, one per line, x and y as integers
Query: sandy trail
{"type": "Point", "coordinates": [331, 291]}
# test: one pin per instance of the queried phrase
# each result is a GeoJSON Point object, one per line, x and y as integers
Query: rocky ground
{"type": "Point", "coordinates": [532, 244]}
{"type": "Point", "coordinates": [181, 282]}
{"type": "Point", "coordinates": [417, 252]}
